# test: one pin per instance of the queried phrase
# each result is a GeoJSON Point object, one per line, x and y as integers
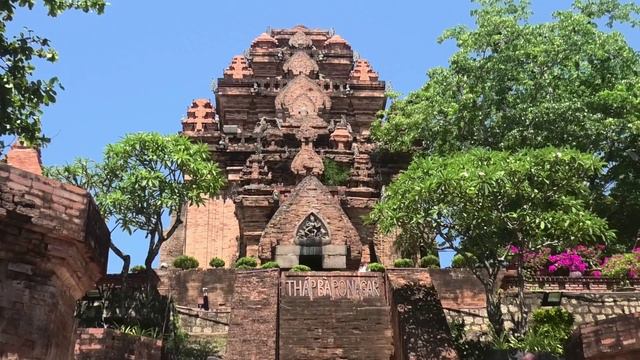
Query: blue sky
{"type": "Point", "coordinates": [138, 66]}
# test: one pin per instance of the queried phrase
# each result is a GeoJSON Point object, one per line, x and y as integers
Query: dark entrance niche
{"type": "Point", "coordinates": [312, 261]}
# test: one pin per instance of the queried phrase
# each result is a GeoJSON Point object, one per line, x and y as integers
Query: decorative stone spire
{"type": "Point", "coordinates": [363, 173]}
{"type": "Point", "coordinates": [239, 68]}
{"type": "Point", "coordinates": [255, 171]}
{"type": "Point", "coordinates": [300, 64]}
{"type": "Point", "coordinates": [336, 42]}
{"type": "Point", "coordinates": [363, 72]}
{"type": "Point", "coordinates": [341, 136]}
{"type": "Point", "coordinates": [200, 117]}
{"type": "Point", "coordinates": [25, 157]}
{"type": "Point", "coordinates": [300, 40]}
{"type": "Point", "coordinates": [264, 41]}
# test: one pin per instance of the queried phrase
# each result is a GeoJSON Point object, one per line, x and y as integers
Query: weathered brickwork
{"type": "Point", "coordinates": [211, 325]}
{"type": "Point", "coordinates": [254, 311]}
{"type": "Point", "coordinates": [53, 248]}
{"type": "Point", "coordinates": [463, 299]}
{"type": "Point", "coordinates": [185, 287]}
{"type": "Point", "coordinates": [421, 329]}
{"type": "Point", "coordinates": [616, 338]}
{"type": "Point", "coordinates": [334, 315]}
{"type": "Point", "coordinates": [110, 344]}
{"type": "Point", "coordinates": [212, 231]}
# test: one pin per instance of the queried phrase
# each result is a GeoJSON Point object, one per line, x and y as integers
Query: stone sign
{"type": "Point", "coordinates": [342, 287]}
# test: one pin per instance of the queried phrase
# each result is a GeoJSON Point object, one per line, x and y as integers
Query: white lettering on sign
{"type": "Point", "coordinates": [349, 288]}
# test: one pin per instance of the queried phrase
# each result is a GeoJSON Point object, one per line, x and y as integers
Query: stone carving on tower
{"type": "Point", "coordinates": [294, 101]}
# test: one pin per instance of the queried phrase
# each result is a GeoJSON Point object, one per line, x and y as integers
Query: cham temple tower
{"type": "Point", "coordinates": [297, 101]}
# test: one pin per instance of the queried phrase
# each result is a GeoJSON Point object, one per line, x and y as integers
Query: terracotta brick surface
{"type": "Point", "coordinates": [25, 158]}
{"type": "Point", "coordinates": [616, 338]}
{"type": "Point", "coordinates": [342, 315]}
{"type": "Point", "coordinates": [254, 313]}
{"type": "Point", "coordinates": [421, 330]}
{"type": "Point", "coordinates": [185, 286]}
{"type": "Point", "coordinates": [110, 344]}
{"type": "Point", "coordinates": [53, 248]}
{"type": "Point", "coordinates": [211, 230]}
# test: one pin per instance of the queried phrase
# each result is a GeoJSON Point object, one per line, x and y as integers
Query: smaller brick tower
{"type": "Point", "coordinates": [53, 248]}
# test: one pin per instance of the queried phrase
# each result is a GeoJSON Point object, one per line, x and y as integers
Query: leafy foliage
{"type": "Point", "coordinates": [300, 268]}
{"type": "Point", "coordinates": [430, 261]}
{"type": "Point", "coordinates": [216, 262]}
{"type": "Point", "coordinates": [21, 96]}
{"type": "Point", "coordinates": [549, 332]}
{"type": "Point", "coordinates": [622, 266]}
{"type": "Point", "coordinates": [270, 265]}
{"type": "Point", "coordinates": [515, 85]}
{"type": "Point", "coordinates": [247, 261]}
{"type": "Point", "coordinates": [137, 269]}
{"type": "Point", "coordinates": [335, 174]}
{"type": "Point", "coordinates": [403, 263]}
{"type": "Point", "coordinates": [460, 261]}
{"type": "Point", "coordinates": [185, 262]}
{"type": "Point", "coordinates": [143, 178]}
{"type": "Point", "coordinates": [482, 202]}
{"type": "Point", "coordinates": [375, 267]}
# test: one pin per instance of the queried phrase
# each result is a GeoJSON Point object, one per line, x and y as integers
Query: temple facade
{"type": "Point", "coordinates": [290, 129]}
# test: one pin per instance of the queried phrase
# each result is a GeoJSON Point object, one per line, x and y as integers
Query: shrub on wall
{"type": "Point", "coordinates": [216, 262]}
{"type": "Point", "coordinates": [403, 263]}
{"type": "Point", "coordinates": [270, 265]}
{"type": "Point", "coordinates": [246, 262]}
{"type": "Point", "coordinates": [185, 262]}
{"type": "Point", "coordinates": [460, 261]}
{"type": "Point", "coordinates": [622, 266]}
{"type": "Point", "coordinates": [334, 174]}
{"type": "Point", "coordinates": [375, 267]}
{"type": "Point", "coordinates": [430, 262]}
{"type": "Point", "coordinates": [300, 268]}
{"type": "Point", "coordinates": [136, 269]}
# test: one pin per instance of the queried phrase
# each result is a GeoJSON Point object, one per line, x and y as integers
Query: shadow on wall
{"type": "Point", "coordinates": [423, 327]}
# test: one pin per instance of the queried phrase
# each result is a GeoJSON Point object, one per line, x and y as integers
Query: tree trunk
{"type": "Point", "coordinates": [126, 259]}
{"type": "Point", "coordinates": [521, 324]}
{"type": "Point", "coordinates": [494, 311]}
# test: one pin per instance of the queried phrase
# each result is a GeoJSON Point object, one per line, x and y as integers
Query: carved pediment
{"type": "Point", "coordinates": [300, 93]}
{"type": "Point", "coordinates": [300, 40]}
{"type": "Point", "coordinates": [300, 63]}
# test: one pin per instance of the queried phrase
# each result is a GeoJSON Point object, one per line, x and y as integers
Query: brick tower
{"type": "Point", "coordinates": [297, 103]}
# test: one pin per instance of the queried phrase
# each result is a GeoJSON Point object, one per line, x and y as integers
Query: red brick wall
{"type": "Point", "coordinates": [53, 248]}
{"type": "Point", "coordinates": [616, 338]}
{"type": "Point", "coordinates": [212, 231]}
{"type": "Point", "coordinates": [254, 309]}
{"type": "Point", "coordinates": [110, 344]}
{"type": "Point", "coordinates": [185, 286]}
{"type": "Point", "coordinates": [421, 329]}
{"type": "Point", "coordinates": [334, 315]}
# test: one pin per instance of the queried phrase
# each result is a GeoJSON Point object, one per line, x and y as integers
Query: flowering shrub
{"type": "Point", "coordinates": [535, 262]}
{"type": "Point", "coordinates": [567, 261]}
{"type": "Point", "coordinates": [622, 266]}
{"type": "Point", "coordinates": [591, 255]}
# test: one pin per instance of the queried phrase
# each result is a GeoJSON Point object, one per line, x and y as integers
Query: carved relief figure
{"type": "Point", "coordinates": [312, 232]}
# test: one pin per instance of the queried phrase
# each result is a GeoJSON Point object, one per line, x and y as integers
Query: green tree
{"type": "Point", "coordinates": [21, 96]}
{"type": "Point", "coordinates": [514, 84]}
{"type": "Point", "coordinates": [142, 179]}
{"type": "Point", "coordinates": [482, 202]}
